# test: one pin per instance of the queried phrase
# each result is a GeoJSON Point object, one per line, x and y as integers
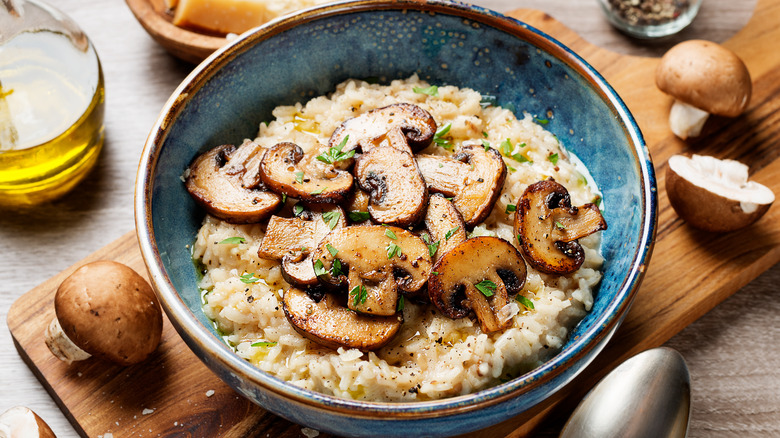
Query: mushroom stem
{"type": "Point", "coordinates": [61, 346]}
{"type": "Point", "coordinates": [686, 120]}
{"type": "Point", "coordinates": [487, 314]}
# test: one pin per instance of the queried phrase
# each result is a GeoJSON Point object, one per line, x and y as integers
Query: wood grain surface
{"type": "Point", "coordinates": [733, 364]}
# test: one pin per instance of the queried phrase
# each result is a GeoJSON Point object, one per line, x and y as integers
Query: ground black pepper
{"type": "Point", "coordinates": [649, 12]}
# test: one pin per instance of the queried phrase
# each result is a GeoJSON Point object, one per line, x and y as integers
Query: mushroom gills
{"type": "Point", "coordinates": [547, 227]}
{"type": "Point", "coordinates": [398, 194]}
{"type": "Point", "coordinates": [459, 288]}
{"type": "Point", "coordinates": [329, 323]}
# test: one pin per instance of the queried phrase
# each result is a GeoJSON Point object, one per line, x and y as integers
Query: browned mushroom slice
{"type": "Point", "coordinates": [547, 227]}
{"type": "Point", "coordinates": [473, 177]}
{"type": "Point", "coordinates": [285, 170]}
{"type": "Point", "coordinates": [459, 288]}
{"type": "Point", "coordinates": [224, 182]}
{"type": "Point", "coordinates": [292, 240]}
{"type": "Point", "coordinates": [445, 225]}
{"type": "Point", "coordinates": [398, 194]}
{"type": "Point", "coordinates": [357, 206]}
{"type": "Point", "coordinates": [330, 324]}
{"type": "Point", "coordinates": [375, 261]}
{"type": "Point", "coordinates": [384, 126]}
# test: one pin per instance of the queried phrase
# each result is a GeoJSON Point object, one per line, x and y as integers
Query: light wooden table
{"type": "Point", "coordinates": [732, 352]}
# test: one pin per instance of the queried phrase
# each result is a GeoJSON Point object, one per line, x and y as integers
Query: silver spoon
{"type": "Point", "coordinates": [648, 395]}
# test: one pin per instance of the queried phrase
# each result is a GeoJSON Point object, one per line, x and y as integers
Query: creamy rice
{"type": "Point", "coordinates": [432, 356]}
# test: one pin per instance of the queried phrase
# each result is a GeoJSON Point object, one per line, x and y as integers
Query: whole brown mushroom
{"type": "Point", "coordinates": [704, 78]}
{"type": "Point", "coordinates": [105, 309]}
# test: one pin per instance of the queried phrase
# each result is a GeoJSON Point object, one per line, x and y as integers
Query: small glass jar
{"type": "Point", "coordinates": [51, 103]}
{"type": "Point", "coordinates": [650, 18]}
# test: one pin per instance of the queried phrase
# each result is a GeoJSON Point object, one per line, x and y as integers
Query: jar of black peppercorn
{"type": "Point", "coordinates": [650, 18]}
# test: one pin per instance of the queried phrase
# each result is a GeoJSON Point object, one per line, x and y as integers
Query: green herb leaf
{"type": "Point", "coordinates": [519, 238]}
{"type": "Point", "coordinates": [389, 233]}
{"type": "Point", "coordinates": [299, 177]}
{"type": "Point", "coordinates": [358, 216]}
{"type": "Point", "coordinates": [433, 90]}
{"type": "Point", "coordinates": [318, 191]}
{"type": "Point", "coordinates": [433, 247]}
{"type": "Point", "coordinates": [559, 226]}
{"type": "Point", "coordinates": [319, 268]}
{"type": "Point", "coordinates": [331, 218]}
{"type": "Point", "coordinates": [486, 287]}
{"type": "Point", "coordinates": [297, 209]}
{"type": "Point", "coordinates": [400, 306]}
{"type": "Point", "coordinates": [434, 273]}
{"type": "Point", "coordinates": [439, 139]}
{"type": "Point", "coordinates": [333, 251]}
{"type": "Point", "coordinates": [265, 344]}
{"type": "Point", "coordinates": [284, 198]}
{"type": "Point", "coordinates": [511, 208]}
{"type": "Point", "coordinates": [486, 145]}
{"type": "Point", "coordinates": [506, 147]}
{"type": "Point", "coordinates": [334, 154]}
{"type": "Point", "coordinates": [335, 270]}
{"type": "Point", "coordinates": [597, 200]}
{"type": "Point", "coordinates": [541, 121]}
{"type": "Point", "coordinates": [233, 241]}
{"type": "Point", "coordinates": [521, 158]}
{"type": "Point", "coordinates": [553, 159]}
{"type": "Point", "coordinates": [359, 295]}
{"type": "Point", "coordinates": [484, 134]}
{"type": "Point", "coordinates": [393, 250]}
{"type": "Point", "coordinates": [249, 278]}
{"type": "Point", "coordinates": [524, 301]}
{"type": "Point", "coordinates": [511, 169]}
{"type": "Point", "coordinates": [449, 233]}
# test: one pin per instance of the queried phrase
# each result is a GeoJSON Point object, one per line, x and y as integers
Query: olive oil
{"type": "Point", "coordinates": [51, 115]}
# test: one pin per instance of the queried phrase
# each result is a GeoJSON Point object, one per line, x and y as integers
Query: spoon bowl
{"type": "Point", "coordinates": [648, 395]}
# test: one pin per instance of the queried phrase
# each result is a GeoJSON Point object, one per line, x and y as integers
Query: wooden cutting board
{"type": "Point", "coordinates": [690, 272]}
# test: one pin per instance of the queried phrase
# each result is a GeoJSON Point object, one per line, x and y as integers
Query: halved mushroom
{"type": "Point", "coordinates": [22, 422]}
{"type": "Point", "coordinates": [398, 194]}
{"type": "Point", "coordinates": [292, 240]}
{"type": "Point", "coordinates": [329, 323]}
{"type": "Point", "coordinates": [445, 225]}
{"type": "Point", "coordinates": [375, 261]}
{"type": "Point", "coordinates": [285, 170]}
{"type": "Point", "coordinates": [547, 227]}
{"type": "Point", "coordinates": [224, 181]}
{"type": "Point", "coordinates": [386, 126]}
{"type": "Point", "coordinates": [473, 177]}
{"type": "Point", "coordinates": [478, 275]}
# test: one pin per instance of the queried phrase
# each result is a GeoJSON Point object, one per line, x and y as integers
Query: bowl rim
{"type": "Point", "coordinates": [191, 330]}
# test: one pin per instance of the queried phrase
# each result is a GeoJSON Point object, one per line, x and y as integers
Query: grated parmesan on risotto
{"type": "Point", "coordinates": [432, 356]}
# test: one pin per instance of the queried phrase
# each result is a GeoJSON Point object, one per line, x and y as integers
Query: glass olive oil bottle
{"type": "Point", "coordinates": [51, 104]}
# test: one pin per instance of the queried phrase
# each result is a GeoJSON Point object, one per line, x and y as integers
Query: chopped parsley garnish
{"type": "Point", "coordinates": [486, 287]}
{"type": "Point", "coordinates": [553, 158]}
{"type": "Point", "coordinates": [511, 169]}
{"type": "Point", "coordinates": [297, 209]}
{"type": "Point", "coordinates": [541, 121]}
{"type": "Point", "coordinates": [358, 216]}
{"type": "Point", "coordinates": [484, 134]}
{"type": "Point", "coordinates": [486, 145]}
{"type": "Point", "coordinates": [389, 233]}
{"type": "Point", "coordinates": [333, 251]}
{"type": "Point", "coordinates": [400, 306]}
{"type": "Point", "coordinates": [439, 139]}
{"type": "Point", "coordinates": [559, 226]}
{"type": "Point", "coordinates": [359, 295]}
{"type": "Point", "coordinates": [433, 247]}
{"type": "Point", "coordinates": [335, 270]}
{"type": "Point", "coordinates": [434, 273]}
{"type": "Point", "coordinates": [524, 301]}
{"type": "Point", "coordinates": [449, 233]}
{"type": "Point", "coordinates": [299, 177]}
{"type": "Point", "coordinates": [511, 208]}
{"type": "Point", "coordinates": [284, 198]}
{"type": "Point", "coordinates": [520, 158]}
{"type": "Point", "coordinates": [334, 154]}
{"type": "Point", "coordinates": [331, 218]}
{"type": "Point", "coordinates": [318, 191]}
{"type": "Point", "coordinates": [233, 241]}
{"type": "Point", "coordinates": [264, 344]}
{"type": "Point", "coordinates": [433, 90]}
{"type": "Point", "coordinates": [249, 278]}
{"type": "Point", "coordinates": [506, 147]}
{"type": "Point", "coordinates": [393, 250]}
{"type": "Point", "coordinates": [519, 238]}
{"type": "Point", "coordinates": [319, 268]}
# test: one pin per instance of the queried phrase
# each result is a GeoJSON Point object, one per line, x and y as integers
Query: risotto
{"type": "Point", "coordinates": [432, 356]}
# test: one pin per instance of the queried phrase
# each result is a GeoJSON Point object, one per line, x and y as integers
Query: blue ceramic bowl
{"type": "Point", "coordinates": [293, 58]}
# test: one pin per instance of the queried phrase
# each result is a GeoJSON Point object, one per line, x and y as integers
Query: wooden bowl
{"type": "Point", "coordinates": [185, 44]}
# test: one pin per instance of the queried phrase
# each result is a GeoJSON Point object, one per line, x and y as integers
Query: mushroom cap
{"type": "Point", "coordinates": [707, 76]}
{"type": "Point", "coordinates": [22, 422]}
{"type": "Point", "coordinates": [715, 195]}
{"type": "Point", "coordinates": [225, 182]}
{"type": "Point", "coordinates": [109, 311]}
